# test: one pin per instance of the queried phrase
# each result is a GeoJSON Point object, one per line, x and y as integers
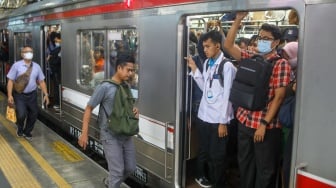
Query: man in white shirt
{"type": "Point", "coordinates": [215, 111]}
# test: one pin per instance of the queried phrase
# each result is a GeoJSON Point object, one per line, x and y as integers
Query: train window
{"type": "Point", "coordinates": [21, 40]}
{"type": "Point", "coordinates": [98, 54]}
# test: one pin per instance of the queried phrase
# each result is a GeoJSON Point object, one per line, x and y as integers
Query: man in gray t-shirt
{"type": "Point", "coordinates": [119, 150]}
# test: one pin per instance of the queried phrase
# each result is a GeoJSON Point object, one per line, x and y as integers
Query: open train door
{"type": "Point", "coordinates": [53, 77]}
{"type": "Point", "coordinates": [314, 149]}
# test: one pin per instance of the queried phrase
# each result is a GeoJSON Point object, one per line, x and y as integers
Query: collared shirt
{"type": "Point", "coordinates": [20, 67]}
{"type": "Point", "coordinates": [215, 106]}
{"type": "Point", "coordinates": [280, 78]}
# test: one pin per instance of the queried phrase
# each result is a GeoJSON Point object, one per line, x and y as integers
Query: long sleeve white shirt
{"type": "Point", "coordinates": [215, 106]}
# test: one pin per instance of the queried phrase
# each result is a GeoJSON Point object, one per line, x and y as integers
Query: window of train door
{"type": "Point", "coordinates": [4, 55]}
{"type": "Point", "coordinates": [21, 40]}
{"type": "Point", "coordinates": [99, 47]}
{"type": "Point", "coordinates": [52, 62]}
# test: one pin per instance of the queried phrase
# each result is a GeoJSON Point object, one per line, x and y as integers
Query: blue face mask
{"type": "Point", "coordinates": [264, 46]}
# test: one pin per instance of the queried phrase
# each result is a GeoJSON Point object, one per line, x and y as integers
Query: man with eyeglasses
{"type": "Point", "coordinates": [259, 132]}
{"type": "Point", "coordinates": [26, 101]}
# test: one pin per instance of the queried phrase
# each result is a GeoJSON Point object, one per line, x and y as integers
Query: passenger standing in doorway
{"type": "Point", "coordinates": [215, 110]}
{"type": "Point", "coordinates": [26, 102]}
{"type": "Point", "coordinates": [55, 64]}
{"type": "Point", "coordinates": [289, 52]}
{"type": "Point", "coordinates": [259, 132]}
{"type": "Point", "coordinates": [119, 150]}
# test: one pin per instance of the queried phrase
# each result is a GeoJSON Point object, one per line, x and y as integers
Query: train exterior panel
{"type": "Point", "coordinates": [157, 32]}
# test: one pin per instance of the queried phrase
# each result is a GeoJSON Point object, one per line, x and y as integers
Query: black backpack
{"type": "Point", "coordinates": [250, 86]}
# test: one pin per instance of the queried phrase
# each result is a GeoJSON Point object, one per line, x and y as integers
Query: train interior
{"type": "Point", "coordinates": [196, 25]}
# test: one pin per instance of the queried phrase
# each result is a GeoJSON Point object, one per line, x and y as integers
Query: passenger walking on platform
{"type": "Point", "coordinates": [259, 131]}
{"type": "Point", "coordinates": [215, 110]}
{"type": "Point", "coordinates": [119, 150]}
{"type": "Point", "coordinates": [26, 102]}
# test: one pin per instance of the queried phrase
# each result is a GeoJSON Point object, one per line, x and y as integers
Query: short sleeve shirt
{"type": "Point", "coordinates": [20, 67]}
{"type": "Point", "coordinates": [280, 78]}
{"type": "Point", "coordinates": [103, 95]}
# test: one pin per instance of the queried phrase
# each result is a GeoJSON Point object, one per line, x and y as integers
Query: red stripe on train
{"type": "Point", "coordinates": [307, 180]}
{"type": "Point", "coordinates": [108, 8]}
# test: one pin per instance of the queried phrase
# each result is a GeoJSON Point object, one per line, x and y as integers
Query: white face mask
{"type": "Point", "coordinates": [57, 44]}
{"type": "Point", "coordinates": [28, 56]}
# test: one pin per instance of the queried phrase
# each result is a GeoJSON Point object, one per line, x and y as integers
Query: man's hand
{"type": "Point", "coordinates": [260, 134]}
{"type": "Point", "coordinates": [241, 15]}
{"type": "Point", "coordinates": [222, 130]}
{"type": "Point", "coordinates": [136, 112]}
{"type": "Point", "coordinates": [191, 63]}
{"type": "Point", "coordinates": [83, 140]}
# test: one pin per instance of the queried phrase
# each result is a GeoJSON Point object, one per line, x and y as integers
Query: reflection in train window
{"type": "Point", "coordinates": [98, 53]}
{"type": "Point", "coordinates": [21, 40]}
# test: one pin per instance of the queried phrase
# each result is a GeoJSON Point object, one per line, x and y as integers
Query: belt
{"type": "Point", "coordinates": [29, 93]}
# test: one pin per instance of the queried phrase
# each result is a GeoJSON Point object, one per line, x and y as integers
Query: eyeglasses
{"type": "Point", "coordinates": [264, 38]}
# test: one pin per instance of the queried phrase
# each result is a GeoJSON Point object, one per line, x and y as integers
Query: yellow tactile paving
{"type": "Point", "coordinates": [52, 173]}
{"type": "Point", "coordinates": [66, 152]}
{"type": "Point", "coordinates": [14, 169]}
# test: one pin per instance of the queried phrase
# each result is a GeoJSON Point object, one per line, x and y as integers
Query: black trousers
{"type": "Point", "coordinates": [26, 111]}
{"type": "Point", "coordinates": [212, 153]}
{"type": "Point", "coordinates": [258, 162]}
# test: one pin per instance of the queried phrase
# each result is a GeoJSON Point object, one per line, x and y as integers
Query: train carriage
{"type": "Point", "coordinates": [157, 33]}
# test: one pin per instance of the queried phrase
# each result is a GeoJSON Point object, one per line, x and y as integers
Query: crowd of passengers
{"type": "Point", "coordinates": [228, 136]}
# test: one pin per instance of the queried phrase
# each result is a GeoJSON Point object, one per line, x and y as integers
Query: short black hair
{"type": "Point", "coordinates": [123, 59]}
{"type": "Point", "coordinates": [99, 49]}
{"type": "Point", "coordinates": [275, 30]}
{"type": "Point", "coordinates": [214, 35]}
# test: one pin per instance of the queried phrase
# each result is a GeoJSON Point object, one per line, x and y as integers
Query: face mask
{"type": "Point", "coordinates": [28, 55]}
{"type": "Point", "coordinates": [57, 44]}
{"type": "Point", "coordinates": [293, 63]}
{"type": "Point", "coordinates": [264, 46]}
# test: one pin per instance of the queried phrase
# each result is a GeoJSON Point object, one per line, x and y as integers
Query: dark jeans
{"type": "Point", "coordinates": [212, 152]}
{"type": "Point", "coordinates": [56, 79]}
{"type": "Point", "coordinates": [26, 111]}
{"type": "Point", "coordinates": [258, 162]}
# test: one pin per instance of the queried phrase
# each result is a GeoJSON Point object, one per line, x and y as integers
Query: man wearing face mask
{"type": "Point", "coordinates": [259, 132]}
{"type": "Point", "coordinates": [54, 60]}
{"type": "Point", "coordinates": [26, 102]}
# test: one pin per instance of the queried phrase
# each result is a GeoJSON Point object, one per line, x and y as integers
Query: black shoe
{"type": "Point", "coordinates": [106, 182]}
{"type": "Point", "coordinates": [28, 136]}
{"type": "Point", "coordinates": [203, 182]}
{"type": "Point", "coordinates": [19, 133]}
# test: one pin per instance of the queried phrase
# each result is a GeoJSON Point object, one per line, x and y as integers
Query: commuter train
{"type": "Point", "coordinates": [157, 33]}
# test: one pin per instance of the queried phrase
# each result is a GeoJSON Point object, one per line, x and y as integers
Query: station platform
{"type": "Point", "coordinates": [46, 161]}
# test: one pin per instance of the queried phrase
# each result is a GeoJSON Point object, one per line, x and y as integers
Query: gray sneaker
{"type": "Point", "coordinates": [203, 182]}
{"type": "Point", "coordinates": [28, 136]}
{"type": "Point", "coordinates": [106, 182]}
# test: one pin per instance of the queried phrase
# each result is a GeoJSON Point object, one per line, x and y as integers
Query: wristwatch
{"type": "Point", "coordinates": [264, 122]}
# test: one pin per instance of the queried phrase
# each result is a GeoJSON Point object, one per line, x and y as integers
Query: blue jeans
{"type": "Point", "coordinates": [120, 156]}
{"type": "Point", "coordinates": [26, 111]}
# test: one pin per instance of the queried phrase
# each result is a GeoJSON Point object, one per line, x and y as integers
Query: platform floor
{"type": "Point", "coordinates": [46, 161]}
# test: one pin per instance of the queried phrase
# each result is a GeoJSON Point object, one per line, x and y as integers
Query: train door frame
{"type": "Point", "coordinates": [45, 29]}
{"type": "Point", "coordinates": [5, 64]}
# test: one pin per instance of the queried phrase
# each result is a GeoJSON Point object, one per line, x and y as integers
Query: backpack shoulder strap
{"type": "Point", "coordinates": [111, 82]}
{"type": "Point", "coordinates": [220, 71]}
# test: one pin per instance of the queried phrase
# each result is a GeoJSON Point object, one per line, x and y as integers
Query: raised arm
{"type": "Point", "coordinates": [229, 43]}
